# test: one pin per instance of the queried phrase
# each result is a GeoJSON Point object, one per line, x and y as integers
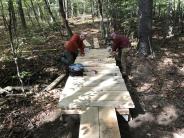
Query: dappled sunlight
{"type": "Point", "coordinates": [179, 133]}
{"type": "Point", "coordinates": [168, 85]}
{"type": "Point", "coordinates": [45, 117]}
{"type": "Point", "coordinates": [166, 61]}
{"type": "Point", "coordinates": [167, 116]}
{"type": "Point", "coordinates": [85, 91]}
{"type": "Point", "coordinates": [110, 116]}
{"type": "Point", "coordinates": [141, 120]}
{"type": "Point", "coordinates": [145, 87]}
{"type": "Point", "coordinates": [181, 70]}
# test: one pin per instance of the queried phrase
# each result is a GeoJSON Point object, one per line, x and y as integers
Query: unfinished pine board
{"type": "Point", "coordinates": [107, 92]}
{"type": "Point", "coordinates": [96, 43]}
{"type": "Point", "coordinates": [83, 99]}
{"type": "Point", "coordinates": [89, 124]}
{"type": "Point", "coordinates": [72, 111]}
{"type": "Point", "coordinates": [108, 123]}
{"type": "Point", "coordinates": [99, 72]}
{"type": "Point", "coordinates": [76, 84]}
{"type": "Point", "coordinates": [98, 60]}
{"type": "Point", "coordinates": [86, 43]}
{"type": "Point", "coordinates": [97, 64]}
{"type": "Point", "coordinates": [99, 83]}
{"type": "Point", "coordinates": [115, 104]}
{"type": "Point", "coordinates": [95, 58]}
{"type": "Point", "coordinates": [100, 69]}
{"type": "Point", "coordinates": [123, 111]}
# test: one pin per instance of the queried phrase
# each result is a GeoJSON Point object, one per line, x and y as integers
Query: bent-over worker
{"type": "Point", "coordinates": [120, 47]}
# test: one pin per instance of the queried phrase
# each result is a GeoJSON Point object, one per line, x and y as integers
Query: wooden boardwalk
{"type": "Point", "coordinates": [96, 95]}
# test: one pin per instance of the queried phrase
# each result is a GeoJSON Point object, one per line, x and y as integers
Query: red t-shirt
{"type": "Point", "coordinates": [120, 42]}
{"type": "Point", "coordinates": [74, 44]}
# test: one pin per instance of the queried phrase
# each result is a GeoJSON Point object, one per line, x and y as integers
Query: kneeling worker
{"type": "Point", "coordinates": [72, 46]}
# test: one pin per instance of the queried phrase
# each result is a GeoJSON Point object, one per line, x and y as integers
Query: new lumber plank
{"type": "Point", "coordinates": [89, 124]}
{"type": "Point", "coordinates": [108, 123]}
{"type": "Point", "coordinates": [86, 43]}
{"type": "Point", "coordinates": [96, 43]}
{"type": "Point", "coordinates": [104, 60]}
{"type": "Point", "coordinates": [115, 104]}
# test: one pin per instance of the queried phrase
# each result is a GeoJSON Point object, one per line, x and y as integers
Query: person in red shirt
{"type": "Point", "coordinates": [120, 47]}
{"type": "Point", "coordinates": [72, 46]}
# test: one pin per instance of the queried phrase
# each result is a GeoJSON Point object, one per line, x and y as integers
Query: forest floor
{"type": "Point", "coordinates": [156, 86]}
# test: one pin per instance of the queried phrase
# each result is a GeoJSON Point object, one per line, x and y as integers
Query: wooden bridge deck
{"type": "Point", "coordinates": [96, 95]}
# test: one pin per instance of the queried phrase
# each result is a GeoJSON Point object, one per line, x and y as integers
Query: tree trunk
{"type": "Point", "coordinates": [169, 32]}
{"type": "Point", "coordinates": [3, 15]}
{"type": "Point", "coordinates": [145, 27]}
{"type": "Point", "coordinates": [49, 10]}
{"type": "Point", "coordinates": [12, 33]}
{"type": "Point", "coordinates": [102, 19]}
{"type": "Point", "coordinates": [92, 10]}
{"type": "Point", "coordinates": [64, 18]}
{"type": "Point", "coordinates": [72, 10]}
{"type": "Point", "coordinates": [35, 14]}
{"type": "Point", "coordinates": [66, 8]}
{"type": "Point", "coordinates": [21, 13]}
{"type": "Point", "coordinates": [28, 12]}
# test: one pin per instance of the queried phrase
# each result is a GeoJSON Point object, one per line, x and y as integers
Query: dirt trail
{"type": "Point", "coordinates": [156, 86]}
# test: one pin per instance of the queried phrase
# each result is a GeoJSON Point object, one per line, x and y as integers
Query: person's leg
{"type": "Point", "coordinates": [75, 54]}
{"type": "Point", "coordinates": [118, 59]}
{"type": "Point", "coordinates": [123, 61]}
{"type": "Point", "coordinates": [66, 60]}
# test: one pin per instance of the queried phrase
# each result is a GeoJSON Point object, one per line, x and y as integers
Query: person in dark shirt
{"type": "Point", "coordinates": [120, 47]}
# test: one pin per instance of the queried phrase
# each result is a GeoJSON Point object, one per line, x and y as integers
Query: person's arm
{"type": "Point", "coordinates": [114, 46]}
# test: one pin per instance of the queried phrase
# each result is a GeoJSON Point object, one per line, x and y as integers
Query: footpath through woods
{"type": "Point", "coordinates": [155, 85]}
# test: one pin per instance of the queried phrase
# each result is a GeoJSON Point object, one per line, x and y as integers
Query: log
{"type": "Point", "coordinates": [17, 88]}
{"type": "Point", "coordinates": [54, 83]}
{"type": "Point", "coordinates": [2, 101]}
{"type": "Point", "coordinates": [44, 50]}
{"type": "Point", "coordinates": [3, 92]}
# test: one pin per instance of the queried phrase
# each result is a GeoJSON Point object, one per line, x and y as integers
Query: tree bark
{"type": "Point", "coordinates": [61, 8]}
{"type": "Point", "coordinates": [12, 31]}
{"type": "Point", "coordinates": [145, 27]}
{"type": "Point", "coordinates": [100, 2]}
{"type": "Point", "coordinates": [3, 15]}
{"type": "Point", "coordinates": [21, 13]}
{"type": "Point", "coordinates": [49, 10]}
{"type": "Point", "coordinates": [170, 24]}
{"type": "Point", "coordinates": [35, 14]}
{"type": "Point", "coordinates": [28, 12]}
